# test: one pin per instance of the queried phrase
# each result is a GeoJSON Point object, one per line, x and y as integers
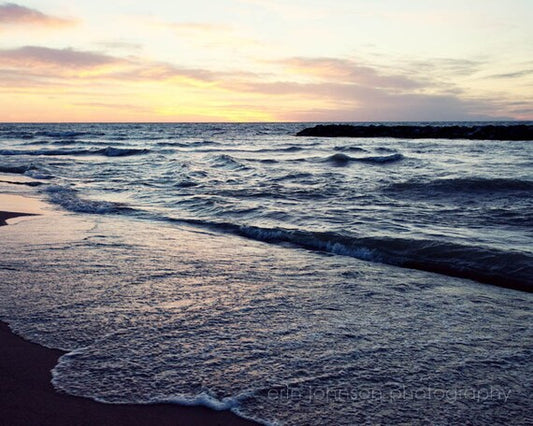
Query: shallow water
{"type": "Point", "coordinates": [243, 268]}
{"type": "Point", "coordinates": [158, 313]}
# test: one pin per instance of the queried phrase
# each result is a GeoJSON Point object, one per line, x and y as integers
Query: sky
{"type": "Point", "coordinates": [265, 60]}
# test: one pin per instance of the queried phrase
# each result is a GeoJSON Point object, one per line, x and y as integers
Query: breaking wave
{"type": "Point", "coordinates": [69, 199]}
{"type": "Point", "coordinates": [487, 265]}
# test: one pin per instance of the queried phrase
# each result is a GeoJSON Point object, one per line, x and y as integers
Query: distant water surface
{"type": "Point", "coordinates": [293, 280]}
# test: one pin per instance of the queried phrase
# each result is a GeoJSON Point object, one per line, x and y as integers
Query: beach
{"type": "Point", "coordinates": [245, 271]}
{"type": "Point", "coordinates": [27, 396]}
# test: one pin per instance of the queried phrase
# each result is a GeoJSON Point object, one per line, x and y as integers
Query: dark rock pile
{"type": "Point", "coordinates": [513, 132]}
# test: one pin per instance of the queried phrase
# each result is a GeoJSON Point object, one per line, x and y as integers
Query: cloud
{"type": "Point", "coordinates": [37, 65]}
{"type": "Point", "coordinates": [35, 56]}
{"type": "Point", "coordinates": [139, 71]}
{"type": "Point", "coordinates": [344, 90]}
{"type": "Point", "coordinates": [517, 74]}
{"type": "Point", "coordinates": [14, 14]}
{"type": "Point", "coordinates": [351, 102]}
{"type": "Point", "coordinates": [524, 111]}
{"type": "Point", "coordinates": [306, 89]}
{"type": "Point", "coordinates": [43, 67]}
{"type": "Point", "coordinates": [446, 66]}
{"type": "Point", "coordinates": [349, 71]}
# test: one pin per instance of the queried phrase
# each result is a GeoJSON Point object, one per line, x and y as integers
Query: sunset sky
{"type": "Point", "coordinates": [266, 60]}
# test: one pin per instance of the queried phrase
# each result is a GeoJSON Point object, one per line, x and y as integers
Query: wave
{"type": "Point", "coordinates": [28, 170]}
{"type": "Point", "coordinates": [56, 142]}
{"type": "Point", "coordinates": [203, 399]}
{"type": "Point", "coordinates": [192, 144]}
{"type": "Point", "coordinates": [107, 152]}
{"type": "Point", "coordinates": [228, 162]}
{"type": "Point", "coordinates": [291, 148]}
{"type": "Point", "coordinates": [293, 176]}
{"type": "Point", "coordinates": [71, 142]}
{"type": "Point", "coordinates": [341, 159]}
{"type": "Point", "coordinates": [67, 134]}
{"type": "Point", "coordinates": [185, 184]}
{"type": "Point", "coordinates": [30, 183]}
{"type": "Point", "coordinates": [121, 152]}
{"type": "Point", "coordinates": [16, 135]}
{"type": "Point", "coordinates": [25, 135]}
{"type": "Point", "coordinates": [68, 198]}
{"type": "Point", "coordinates": [487, 265]}
{"type": "Point", "coordinates": [18, 170]}
{"type": "Point", "coordinates": [468, 184]}
{"type": "Point", "coordinates": [510, 268]}
{"type": "Point", "coordinates": [36, 174]}
{"type": "Point", "coordinates": [350, 148]}
{"type": "Point", "coordinates": [280, 149]}
{"type": "Point", "coordinates": [505, 216]}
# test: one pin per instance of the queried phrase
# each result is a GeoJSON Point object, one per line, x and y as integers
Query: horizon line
{"type": "Point", "coordinates": [270, 122]}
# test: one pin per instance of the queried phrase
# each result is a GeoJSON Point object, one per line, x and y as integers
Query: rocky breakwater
{"type": "Point", "coordinates": [479, 132]}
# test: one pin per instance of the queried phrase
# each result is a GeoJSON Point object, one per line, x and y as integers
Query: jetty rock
{"type": "Point", "coordinates": [514, 132]}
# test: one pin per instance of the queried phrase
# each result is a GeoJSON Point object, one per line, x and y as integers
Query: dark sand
{"type": "Point", "coordinates": [10, 215]}
{"type": "Point", "coordinates": [28, 398]}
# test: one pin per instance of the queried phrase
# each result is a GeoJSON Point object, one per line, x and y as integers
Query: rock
{"type": "Point", "coordinates": [513, 132]}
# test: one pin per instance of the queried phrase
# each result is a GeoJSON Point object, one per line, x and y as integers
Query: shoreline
{"type": "Point", "coordinates": [27, 396]}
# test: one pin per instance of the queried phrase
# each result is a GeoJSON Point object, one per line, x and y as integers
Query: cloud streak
{"type": "Point", "coordinates": [353, 102]}
{"type": "Point", "coordinates": [517, 74]}
{"type": "Point", "coordinates": [14, 14]}
{"type": "Point", "coordinates": [35, 56]}
{"type": "Point", "coordinates": [37, 65]}
{"type": "Point", "coordinates": [320, 89]}
{"type": "Point", "coordinates": [349, 71]}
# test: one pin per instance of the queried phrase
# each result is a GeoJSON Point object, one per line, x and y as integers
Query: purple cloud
{"type": "Point", "coordinates": [66, 58]}
{"type": "Point", "coordinates": [11, 13]}
{"type": "Point", "coordinates": [359, 102]}
{"type": "Point", "coordinates": [338, 90]}
{"type": "Point", "coordinates": [43, 64]}
{"type": "Point", "coordinates": [350, 72]}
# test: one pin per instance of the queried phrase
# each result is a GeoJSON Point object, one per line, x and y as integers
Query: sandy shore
{"type": "Point", "coordinates": [28, 398]}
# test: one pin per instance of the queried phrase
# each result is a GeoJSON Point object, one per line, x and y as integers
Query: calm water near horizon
{"type": "Point", "coordinates": [294, 280]}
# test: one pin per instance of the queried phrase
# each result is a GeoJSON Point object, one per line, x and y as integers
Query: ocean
{"type": "Point", "coordinates": [292, 280]}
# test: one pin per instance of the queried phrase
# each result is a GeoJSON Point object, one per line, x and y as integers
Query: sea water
{"type": "Point", "coordinates": [293, 280]}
